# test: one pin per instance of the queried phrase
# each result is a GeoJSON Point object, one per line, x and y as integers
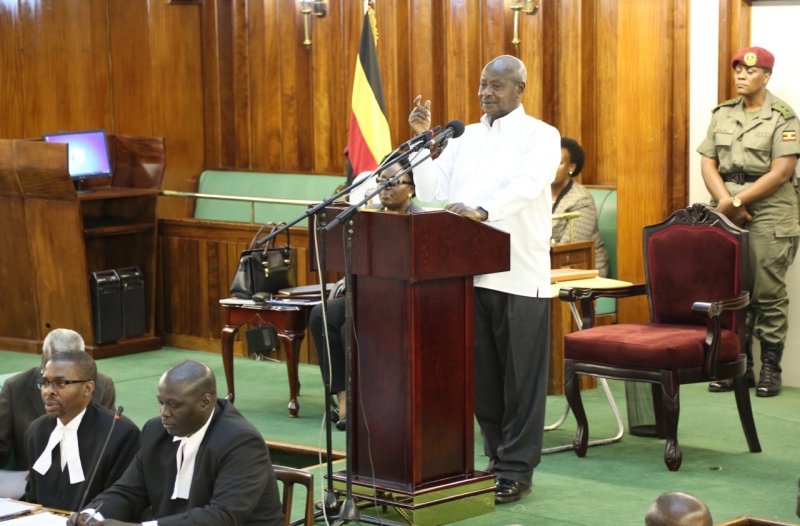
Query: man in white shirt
{"type": "Point", "coordinates": [500, 172]}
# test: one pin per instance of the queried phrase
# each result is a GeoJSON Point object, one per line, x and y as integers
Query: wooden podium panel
{"type": "Point", "coordinates": [18, 318]}
{"type": "Point", "coordinates": [61, 236]}
{"type": "Point", "coordinates": [413, 380]}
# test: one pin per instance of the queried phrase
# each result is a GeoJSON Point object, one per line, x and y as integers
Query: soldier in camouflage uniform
{"type": "Point", "coordinates": [749, 157]}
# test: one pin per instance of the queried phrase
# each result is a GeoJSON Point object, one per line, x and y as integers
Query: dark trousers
{"type": "Point", "coordinates": [335, 323]}
{"type": "Point", "coordinates": [512, 349]}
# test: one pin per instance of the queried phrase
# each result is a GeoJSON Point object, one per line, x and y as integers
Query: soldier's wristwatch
{"type": "Point", "coordinates": [737, 202]}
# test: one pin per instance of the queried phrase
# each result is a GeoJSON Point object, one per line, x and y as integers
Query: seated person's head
{"type": "Point", "coordinates": [678, 509]}
{"type": "Point", "coordinates": [67, 384]}
{"type": "Point", "coordinates": [572, 158]}
{"type": "Point", "coordinates": [59, 340]}
{"type": "Point", "coordinates": [397, 198]}
{"type": "Point", "coordinates": [187, 394]}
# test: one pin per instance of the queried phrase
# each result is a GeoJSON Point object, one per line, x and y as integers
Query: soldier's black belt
{"type": "Point", "coordinates": [740, 178]}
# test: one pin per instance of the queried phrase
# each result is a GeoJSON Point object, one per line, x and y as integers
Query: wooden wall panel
{"type": "Point", "coordinates": [646, 136]}
{"type": "Point", "coordinates": [177, 85]}
{"type": "Point", "coordinates": [131, 87]}
{"type": "Point", "coordinates": [11, 81]}
{"type": "Point", "coordinates": [569, 78]}
{"type": "Point", "coordinates": [64, 66]}
{"type": "Point", "coordinates": [734, 35]}
{"type": "Point", "coordinates": [606, 131]}
{"type": "Point", "coordinates": [331, 100]}
{"type": "Point", "coordinates": [532, 34]}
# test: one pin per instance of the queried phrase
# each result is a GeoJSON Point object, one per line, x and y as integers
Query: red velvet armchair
{"type": "Point", "coordinates": [696, 265]}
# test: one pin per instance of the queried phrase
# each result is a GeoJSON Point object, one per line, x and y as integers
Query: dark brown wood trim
{"type": "Point", "coordinates": [678, 179]}
{"type": "Point", "coordinates": [734, 35]}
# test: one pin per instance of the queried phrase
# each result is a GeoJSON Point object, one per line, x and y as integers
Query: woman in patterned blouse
{"type": "Point", "coordinates": [571, 196]}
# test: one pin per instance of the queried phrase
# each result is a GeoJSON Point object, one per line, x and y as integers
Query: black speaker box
{"type": "Point", "coordinates": [262, 340]}
{"type": "Point", "coordinates": [132, 291]}
{"type": "Point", "coordinates": [106, 306]}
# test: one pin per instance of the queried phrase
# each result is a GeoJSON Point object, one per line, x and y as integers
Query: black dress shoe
{"type": "Point", "coordinates": [341, 425]}
{"type": "Point", "coordinates": [506, 490]}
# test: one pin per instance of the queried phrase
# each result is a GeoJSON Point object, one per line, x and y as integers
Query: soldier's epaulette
{"type": "Point", "coordinates": [731, 102]}
{"type": "Point", "coordinates": [784, 110]}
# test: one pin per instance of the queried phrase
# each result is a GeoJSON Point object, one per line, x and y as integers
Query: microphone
{"type": "Point", "coordinates": [454, 128]}
{"type": "Point", "coordinates": [423, 138]}
{"type": "Point", "coordinates": [100, 456]}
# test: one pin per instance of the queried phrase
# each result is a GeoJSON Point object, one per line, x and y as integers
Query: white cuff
{"type": "Point", "coordinates": [150, 523]}
{"type": "Point", "coordinates": [95, 516]}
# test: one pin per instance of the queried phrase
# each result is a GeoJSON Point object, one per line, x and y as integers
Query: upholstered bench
{"type": "Point", "coordinates": [260, 184]}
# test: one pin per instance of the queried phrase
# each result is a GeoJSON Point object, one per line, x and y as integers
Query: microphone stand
{"type": "Point", "coordinates": [330, 501]}
{"type": "Point", "coordinates": [348, 512]}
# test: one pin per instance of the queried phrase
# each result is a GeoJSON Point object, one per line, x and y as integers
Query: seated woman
{"type": "Point", "coordinates": [571, 196]}
{"type": "Point", "coordinates": [396, 198]}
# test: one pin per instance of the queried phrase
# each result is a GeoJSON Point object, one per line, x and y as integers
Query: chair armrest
{"type": "Point", "coordinates": [578, 293]}
{"type": "Point", "coordinates": [715, 308]}
{"type": "Point", "coordinates": [712, 310]}
{"type": "Point", "coordinates": [289, 477]}
{"type": "Point", "coordinates": [587, 296]}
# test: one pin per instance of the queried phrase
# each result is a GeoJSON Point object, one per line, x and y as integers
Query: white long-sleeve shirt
{"type": "Point", "coordinates": [505, 168]}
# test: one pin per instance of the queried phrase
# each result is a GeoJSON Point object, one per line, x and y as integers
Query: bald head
{"type": "Point", "coordinates": [510, 66]}
{"type": "Point", "coordinates": [60, 340]}
{"type": "Point", "coordinates": [678, 509]}
{"type": "Point", "coordinates": [502, 85]}
{"type": "Point", "coordinates": [194, 377]}
{"type": "Point", "coordinates": [187, 395]}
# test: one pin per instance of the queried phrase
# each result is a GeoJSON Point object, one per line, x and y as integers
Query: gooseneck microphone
{"type": "Point", "coordinates": [99, 457]}
{"type": "Point", "coordinates": [454, 128]}
{"type": "Point", "coordinates": [422, 138]}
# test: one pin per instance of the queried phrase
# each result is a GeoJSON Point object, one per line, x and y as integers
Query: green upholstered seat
{"type": "Point", "coordinates": [257, 184]}
{"type": "Point", "coordinates": [606, 203]}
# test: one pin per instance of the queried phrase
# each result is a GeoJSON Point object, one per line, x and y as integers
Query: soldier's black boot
{"type": "Point", "coordinates": [769, 384]}
{"type": "Point", "coordinates": [722, 386]}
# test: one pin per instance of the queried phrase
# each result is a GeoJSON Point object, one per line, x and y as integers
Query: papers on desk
{"type": "Point", "coordinates": [10, 508]}
{"type": "Point", "coordinates": [275, 303]}
{"type": "Point", "coordinates": [305, 289]}
{"type": "Point", "coordinates": [569, 274]}
{"type": "Point", "coordinates": [44, 518]}
{"type": "Point", "coordinates": [239, 302]}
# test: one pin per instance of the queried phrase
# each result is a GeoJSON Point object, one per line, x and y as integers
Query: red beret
{"type": "Point", "coordinates": [754, 56]}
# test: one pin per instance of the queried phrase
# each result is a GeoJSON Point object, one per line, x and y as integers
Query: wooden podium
{"type": "Point", "coordinates": [413, 380]}
{"type": "Point", "coordinates": [53, 237]}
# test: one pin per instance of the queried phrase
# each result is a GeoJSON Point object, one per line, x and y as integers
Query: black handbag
{"type": "Point", "coordinates": [267, 269]}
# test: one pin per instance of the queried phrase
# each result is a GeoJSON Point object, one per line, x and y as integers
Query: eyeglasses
{"type": "Point", "coordinates": [393, 183]}
{"type": "Point", "coordinates": [58, 384]}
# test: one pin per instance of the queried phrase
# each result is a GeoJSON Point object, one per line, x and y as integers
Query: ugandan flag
{"type": "Point", "coordinates": [369, 139]}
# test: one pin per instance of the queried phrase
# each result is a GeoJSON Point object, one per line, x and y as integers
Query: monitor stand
{"type": "Point", "coordinates": [79, 189]}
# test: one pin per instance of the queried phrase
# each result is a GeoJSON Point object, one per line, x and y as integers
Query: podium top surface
{"type": "Point", "coordinates": [425, 246]}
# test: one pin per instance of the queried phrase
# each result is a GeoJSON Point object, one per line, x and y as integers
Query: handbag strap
{"type": "Point", "coordinates": [253, 243]}
{"type": "Point", "coordinates": [272, 242]}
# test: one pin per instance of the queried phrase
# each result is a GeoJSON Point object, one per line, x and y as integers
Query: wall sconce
{"type": "Point", "coordinates": [529, 7]}
{"type": "Point", "coordinates": [319, 8]}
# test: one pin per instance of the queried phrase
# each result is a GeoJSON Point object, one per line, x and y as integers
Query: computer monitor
{"type": "Point", "coordinates": [87, 153]}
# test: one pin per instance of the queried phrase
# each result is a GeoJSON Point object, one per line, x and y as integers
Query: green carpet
{"type": "Point", "coordinates": [614, 484]}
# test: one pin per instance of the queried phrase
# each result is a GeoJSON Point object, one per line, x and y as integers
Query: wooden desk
{"type": "Point", "coordinates": [579, 255]}
{"type": "Point", "coordinates": [55, 237]}
{"type": "Point", "coordinates": [290, 322]}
